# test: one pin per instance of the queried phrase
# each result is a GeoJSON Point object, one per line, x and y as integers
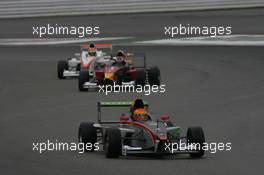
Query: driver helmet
{"type": "Point", "coordinates": [120, 53]}
{"type": "Point", "coordinates": [92, 50]}
{"type": "Point", "coordinates": [140, 115]}
{"type": "Point", "coordinates": [120, 57]}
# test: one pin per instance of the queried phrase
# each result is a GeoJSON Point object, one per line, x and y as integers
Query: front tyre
{"type": "Point", "coordinates": [140, 77]}
{"type": "Point", "coordinates": [87, 134]}
{"type": "Point", "coordinates": [61, 66]}
{"type": "Point", "coordinates": [154, 76]}
{"type": "Point", "coordinates": [113, 143]}
{"type": "Point", "coordinates": [195, 136]}
{"type": "Point", "coordinates": [83, 78]}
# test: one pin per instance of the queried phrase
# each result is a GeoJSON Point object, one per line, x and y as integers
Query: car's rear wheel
{"type": "Point", "coordinates": [195, 136]}
{"type": "Point", "coordinates": [140, 77]}
{"type": "Point", "coordinates": [83, 78]}
{"type": "Point", "coordinates": [61, 66]}
{"type": "Point", "coordinates": [87, 134]}
{"type": "Point", "coordinates": [113, 143]}
{"type": "Point", "coordinates": [119, 77]}
{"type": "Point", "coordinates": [154, 76]}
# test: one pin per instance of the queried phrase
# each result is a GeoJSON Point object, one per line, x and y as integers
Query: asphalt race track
{"type": "Point", "coordinates": [219, 88]}
{"type": "Point", "coordinates": [144, 26]}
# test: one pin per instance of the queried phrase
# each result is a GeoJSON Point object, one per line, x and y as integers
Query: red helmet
{"type": "Point", "coordinates": [140, 115]}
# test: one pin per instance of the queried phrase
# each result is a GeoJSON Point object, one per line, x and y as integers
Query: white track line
{"type": "Point", "coordinates": [57, 41]}
{"type": "Point", "coordinates": [231, 40]}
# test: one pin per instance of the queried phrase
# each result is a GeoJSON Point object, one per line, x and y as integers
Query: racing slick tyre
{"type": "Point", "coordinates": [140, 77]}
{"type": "Point", "coordinates": [61, 66]}
{"type": "Point", "coordinates": [122, 75]}
{"type": "Point", "coordinates": [112, 143]}
{"type": "Point", "coordinates": [83, 77]}
{"type": "Point", "coordinates": [78, 67]}
{"type": "Point", "coordinates": [195, 135]}
{"type": "Point", "coordinates": [119, 77]}
{"type": "Point", "coordinates": [87, 134]}
{"type": "Point", "coordinates": [154, 76]}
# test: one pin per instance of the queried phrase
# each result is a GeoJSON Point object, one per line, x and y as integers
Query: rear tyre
{"type": "Point", "coordinates": [195, 135]}
{"type": "Point", "coordinates": [113, 143]}
{"type": "Point", "coordinates": [61, 66]}
{"type": "Point", "coordinates": [154, 76]}
{"type": "Point", "coordinates": [87, 134]}
{"type": "Point", "coordinates": [83, 78]}
{"type": "Point", "coordinates": [119, 77]}
{"type": "Point", "coordinates": [141, 77]}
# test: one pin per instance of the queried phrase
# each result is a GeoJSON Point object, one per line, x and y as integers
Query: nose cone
{"type": "Point", "coordinates": [109, 75]}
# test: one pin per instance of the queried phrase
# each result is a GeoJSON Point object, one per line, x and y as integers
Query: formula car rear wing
{"type": "Point", "coordinates": [98, 46]}
{"type": "Point", "coordinates": [100, 105]}
{"type": "Point", "coordinates": [139, 56]}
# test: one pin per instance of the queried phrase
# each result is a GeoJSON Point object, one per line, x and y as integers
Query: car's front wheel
{"type": "Point", "coordinates": [87, 134]}
{"type": "Point", "coordinates": [154, 76]}
{"type": "Point", "coordinates": [195, 137]}
{"type": "Point", "coordinates": [83, 78]}
{"type": "Point", "coordinates": [141, 77]}
{"type": "Point", "coordinates": [113, 143]}
{"type": "Point", "coordinates": [61, 66]}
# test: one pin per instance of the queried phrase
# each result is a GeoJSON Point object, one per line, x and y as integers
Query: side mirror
{"type": "Point", "coordinates": [124, 118]}
{"type": "Point", "coordinates": [165, 117]}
